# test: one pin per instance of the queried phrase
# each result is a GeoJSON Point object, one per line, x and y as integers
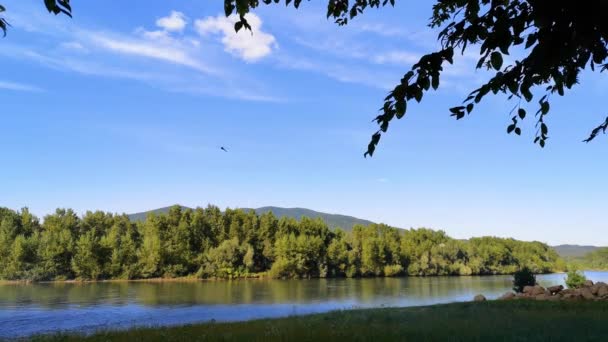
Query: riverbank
{"type": "Point", "coordinates": [521, 320]}
{"type": "Point", "coordinates": [148, 280]}
{"type": "Point", "coordinates": [261, 275]}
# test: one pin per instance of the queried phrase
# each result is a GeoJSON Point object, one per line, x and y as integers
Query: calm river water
{"type": "Point", "coordinates": [44, 308]}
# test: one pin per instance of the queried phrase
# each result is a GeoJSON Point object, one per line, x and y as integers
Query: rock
{"type": "Point", "coordinates": [533, 291]}
{"type": "Point", "coordinates": [537, 290]}
{"type": "Point", "coordinates": [555, 289]}
{"type": "Point", "coordinates": [479, 298]}
{"type": "Point", "coordinates": [586, 293]}
{"type": "Point", "coordinates": [572, 296]}
{"type": "Point", "coordinates": [543, 296]}
{"type": "Point", "coordinates": [507, 296]}
{"type": "Point", "coordinates": [567, 291]}
{"type": "Point", "coordinates": [588, 283]}
{"type": "Point", "coordinates": [602, 291]}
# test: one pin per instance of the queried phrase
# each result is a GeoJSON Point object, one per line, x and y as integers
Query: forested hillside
{"type": "Point", "coordinates": [332, 220]}
{"type": "Point", "coordinates": [574, 251]}
{"type": "Point", "coordinates": [596, 260]}
{"type": "Point", "coordinates": [211, 243]}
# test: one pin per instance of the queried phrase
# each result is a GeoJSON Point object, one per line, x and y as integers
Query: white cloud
{"type": "Point", "coordinates": [166, 50]}
{"type": "Point", "coordinates": [247, 45]}
{"type": "Point", "coordinates": [18, 86]}
{"type": "Point", "coordinates": [396, 57]}
{"type": "Point", "coordinates": [175, 22]}
{"type": "Point", "coordinates": [371, 77]}
{"type": "Point", "coordinates": [382, 30]}
{"type": "Point", "coordinates": [88, 67]}
{"type": "Point", "coordinates": [74, 46]}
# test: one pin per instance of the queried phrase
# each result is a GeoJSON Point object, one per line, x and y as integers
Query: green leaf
{"type": "Point", "coordinates": [400, 107]}
{"type": "Point", "coordinates": [470, 108]}
{"type": "Point", "coordinates": [544, 107]}
{"type": "Point", "coordinates": [527, 94]}
{"type": "Point", "coordinates": [435, 82]}
{"type": "Point", "coordinates": [496, 60]}
{"type": "Point", "coordinates": [522, 113]}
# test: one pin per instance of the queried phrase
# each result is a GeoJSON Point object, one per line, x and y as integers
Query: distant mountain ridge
{"type": "Point", "coordinates": [566, 251]}
{"type": "Point", "coordinates": [332, 220]}
{"type": "Point", "coordinates": [574, 251]}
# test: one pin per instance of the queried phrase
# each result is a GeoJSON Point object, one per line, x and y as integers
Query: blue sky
{"type": "Point", "coordinates": [124, 109]}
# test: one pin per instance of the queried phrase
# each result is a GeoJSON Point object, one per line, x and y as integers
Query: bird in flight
{"type": "Point", "coordinates": [223, 149]}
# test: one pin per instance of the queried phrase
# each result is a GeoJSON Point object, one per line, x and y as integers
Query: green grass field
{"type": "Point", "coordinates": [486, 321]}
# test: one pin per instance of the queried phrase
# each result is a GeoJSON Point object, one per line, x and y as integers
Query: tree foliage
{"type": "Point", "coordinates": [522, 278]}
{"type": "Point", "coordinates": [575, 279]}
{"type": "Point", "coordinates": [596, 260]}
{"type": "Point", "coordinates": [557, 41]}
{"type": "Point", "coordinates": [210, 243]}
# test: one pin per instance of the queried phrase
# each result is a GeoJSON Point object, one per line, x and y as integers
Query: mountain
{"type": "Point", "coordinates": [332, 220]}
{"type": "Point", "coordinates": [142, 216]}
{"type": "Point", "coordinates": [574, 251]}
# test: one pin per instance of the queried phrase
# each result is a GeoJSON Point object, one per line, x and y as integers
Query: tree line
{"type": "Point", "coordinates": [596, 260]}
{"type": "Point", "coordinates": [209, 243]}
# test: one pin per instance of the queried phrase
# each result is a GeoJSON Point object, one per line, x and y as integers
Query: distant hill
{"type": "Point", "coordinates": [332, 220]}
{"type": "Point", "coordinates": [574, 251]}
{"type": "Point", "coordinates": [142, 216]}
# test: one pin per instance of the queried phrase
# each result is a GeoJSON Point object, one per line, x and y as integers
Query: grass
{"type": "Point", "coordinates": [520, 320]}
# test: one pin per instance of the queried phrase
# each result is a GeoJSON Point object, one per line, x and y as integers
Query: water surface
{"type": "Point", "coordinates": [52, 307]}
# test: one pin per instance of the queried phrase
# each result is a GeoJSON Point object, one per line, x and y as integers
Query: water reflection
{"type": "Point", "coordinates": [27, 309]}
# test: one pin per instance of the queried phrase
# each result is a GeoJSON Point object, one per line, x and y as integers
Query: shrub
{"type": "Point", "coordinates": [575, 279]}
{"type": "Point", "coordinates": [393, 270]}
{"type": "Point", "coordinates": [522, 278]}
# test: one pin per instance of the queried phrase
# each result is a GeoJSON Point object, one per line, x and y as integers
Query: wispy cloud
{"type": "Point", "coordinates": [74, 46]}
{"type": "Point", "coordinates": [147, 56]}
{"type": "Point", "coordinates": [90, 68]}
{"type": "Point", "coordinates": [396, 57]}
{"type": "Point", "coordinates": [19, 86]}
{"type": "Point", "coordinates": [160, 49]}
{"type": "Point", "coordinates": [354, 74]}
{"type": "Point", "coordinates": [382, 29]}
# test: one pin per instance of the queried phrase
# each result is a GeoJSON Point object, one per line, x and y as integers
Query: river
{"type": "Point", "coordinates": [27, 309]}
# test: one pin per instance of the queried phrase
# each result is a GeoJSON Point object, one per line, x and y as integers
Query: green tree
{"type": "Point", "coordinates": [337, 255]}
{"type": "Point", "coordinates": [121, 243]}
{"type": "Point", "coordinates": [56, 247]}
{"type": "Point", "coordinates": [225, 261]}
{"type": "Point", "coordinates": [85, 262]}
{"type": "Point", "coordinates": [186, 242]}
{"type": "Point", "coordinates": [149, 255]}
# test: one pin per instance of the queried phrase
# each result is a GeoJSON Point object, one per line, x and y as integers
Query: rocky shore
{"type": "Point", "coordinates": [589, 291]}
